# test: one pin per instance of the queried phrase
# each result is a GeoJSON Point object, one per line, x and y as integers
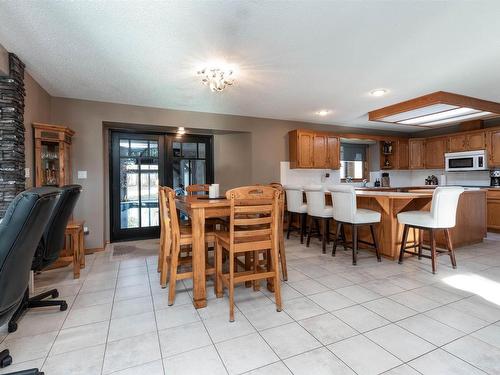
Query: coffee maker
{"type": "Point", "coordinates": [495, 178]}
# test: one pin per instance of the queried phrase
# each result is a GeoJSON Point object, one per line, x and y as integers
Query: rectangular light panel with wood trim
{"type": "Point", "coordinates": [437, 109]}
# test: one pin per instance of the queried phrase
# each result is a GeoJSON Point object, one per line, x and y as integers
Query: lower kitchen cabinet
{"type": "Point", "coordinates": [493, 209]}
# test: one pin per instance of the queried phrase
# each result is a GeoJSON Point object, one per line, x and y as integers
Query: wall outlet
{"type": "Point", "coordinates": [86, 230]}
{"type": "Point", "coordinates": [27, 173]}
{"type": "Point", "coordinates": [82, 175]}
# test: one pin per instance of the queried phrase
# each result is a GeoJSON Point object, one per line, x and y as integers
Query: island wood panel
{"type": "Point", "coordinates": [493, 210]}
{"type": "Point", "coordinates": [389, 231]}
{"type": "Point", "coordinates": [471, 224]}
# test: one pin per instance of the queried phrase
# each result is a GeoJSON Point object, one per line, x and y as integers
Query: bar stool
{"type": "Point", "coordinates": [442, 216]}
{"type": "Point", "coordinates": [318, 210]}
{"type": "Point", "coordinates": [295, 205]}
{"type": "Point", "coordinates": [345, 211]}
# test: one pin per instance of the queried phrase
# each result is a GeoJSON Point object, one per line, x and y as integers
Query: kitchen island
{"type": "Point", "coordinates": [471, 217]}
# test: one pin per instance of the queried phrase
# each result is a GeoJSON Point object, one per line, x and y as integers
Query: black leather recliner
{"type": "Point", "coordinates": [20, 232]}
{"type": "Point", "coordinates": [48, 250]}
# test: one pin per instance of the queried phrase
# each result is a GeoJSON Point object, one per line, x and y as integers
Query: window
{"type": "Point", "coordinates": [353, 161]}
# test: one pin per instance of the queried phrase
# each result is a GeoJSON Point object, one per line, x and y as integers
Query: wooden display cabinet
{"type": "Point", "coordinates": [52, 154]}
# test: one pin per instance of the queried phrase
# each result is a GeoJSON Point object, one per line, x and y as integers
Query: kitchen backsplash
{"type": "Point", "coordinates": [398, 178]}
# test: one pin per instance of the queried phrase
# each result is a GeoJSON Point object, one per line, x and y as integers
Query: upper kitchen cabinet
{"type": "Point", "coordinates": [394, 154]}
{"type": "Point", "coordinates": [493, 148]}
{"type": "Point", "coordinates": [417, 153]}
{"type": "Point", "coordinates": [320, 150]}
{"type": "Point", "coordinates": [403, 152]}
{"type": "Point", "coordinates": [301, 145]}
{"type": "Point", "coordinates": [308, 149]}
{"type": "Point", "coordinates": [333, 152]}
{"type": "Point", "coordinates": [467, 142]}
{"type": "Point", "coordinates": [435, 148]}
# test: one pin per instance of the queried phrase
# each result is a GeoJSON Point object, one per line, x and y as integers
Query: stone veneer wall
{"type": "Point", "coordinates": [12, 159]}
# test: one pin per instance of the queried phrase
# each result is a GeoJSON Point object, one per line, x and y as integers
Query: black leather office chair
{"type": "Point", "coordinates": [20, 232]}
{"type": "Point", "coordinates": [48, 251]}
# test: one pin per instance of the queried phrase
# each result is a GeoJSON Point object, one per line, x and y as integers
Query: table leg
{"type": "Point", "coordinates": [199, 278]}
{"type": "Point", "coordinates": [82, 249]}
{"type": "Point", "coordinates": [76, 255]}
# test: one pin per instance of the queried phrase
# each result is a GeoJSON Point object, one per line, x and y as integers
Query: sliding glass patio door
{"type": "Point", "coordinates": [139, 164]}
{"type": "Point", "coordinates": [136, 173]}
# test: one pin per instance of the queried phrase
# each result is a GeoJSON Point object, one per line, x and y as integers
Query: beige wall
{"type": "Point", "coordinates": [232, 160]}
{"type": "Point", "coordinates": [36, 109]}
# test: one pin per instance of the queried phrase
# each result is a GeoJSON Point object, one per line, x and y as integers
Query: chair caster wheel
{"type": "Point", "coordinates": [64, 306]}
{"type": "Point", "coordinates": [5, 358]}
{"type": "Point", "coordinates": [12, 327]}
{"type": "Point", "coordinates": [7, 361]}
{"type": "Point", "coordinates": [55, 294]}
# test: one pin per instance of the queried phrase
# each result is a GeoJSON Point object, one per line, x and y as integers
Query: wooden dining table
{"type": "Point", "coordinates": [199, 208]}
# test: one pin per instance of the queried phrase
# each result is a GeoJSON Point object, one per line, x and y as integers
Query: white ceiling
{"type": "Point", "coordinates": [295, 57]}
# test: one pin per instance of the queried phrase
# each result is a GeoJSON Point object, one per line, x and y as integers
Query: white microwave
{"type": "Point", "coordinates": [466, 161]}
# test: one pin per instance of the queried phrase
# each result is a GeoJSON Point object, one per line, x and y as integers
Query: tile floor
{"type": "Point", "coordinates": [338, 319]}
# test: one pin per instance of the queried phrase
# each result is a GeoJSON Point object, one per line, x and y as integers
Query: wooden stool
{"type": "Point", "coordinates": [74, 230]}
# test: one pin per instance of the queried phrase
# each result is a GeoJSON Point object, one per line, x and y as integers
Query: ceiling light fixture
{"type": "Point", "coordinates": [217, 76]}
{"type": "Point", "coordinates": [181, 131]}
{"type": "Point", "coordinates": [439, 108]}
{"type": "Point", "coordinates": [323, 112]}
{"type": "Point", "coordinates": [378, 92]}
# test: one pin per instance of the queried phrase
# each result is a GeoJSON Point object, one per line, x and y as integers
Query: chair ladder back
{"type": "Point", "coordinates": [253, 218]}
{"type": "Point", "coordinates": [197, 188]}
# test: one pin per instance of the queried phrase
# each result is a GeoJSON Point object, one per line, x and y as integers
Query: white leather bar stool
{"type": "Point", "coordinates": [318, 211]}
{"type": "Point", "coordinates": [346, 212]}
{"type": "Point", "coordinates": [442, 216]}
{"type": "Point", "coordinates": [295, 205]}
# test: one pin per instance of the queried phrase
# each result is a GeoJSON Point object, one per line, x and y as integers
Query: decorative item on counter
{"type": "Point", "coordinates": [376, 183]}
{"type": "Point", "coordinates": [495, 178]}
{"type": "Point", "coordinates": [386, 180]}
{"type": "Point", "coordinates": [348, 179]}
{"type": "Point", "coordinates": [431, 180]}
{"type": "Point", "coordinates": [365, 181]}
{"type": "Point", "coordinates": [213, 191]}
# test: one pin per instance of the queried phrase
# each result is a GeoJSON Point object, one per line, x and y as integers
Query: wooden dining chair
{"type": "Point", "coordinates": [253, 228]}
{"type": "Point", "coordinates": [281, 219]}
{"type": "Point", "coordinates": [174, 239]}
{"type": "Point", "coordinates": [197, 188]}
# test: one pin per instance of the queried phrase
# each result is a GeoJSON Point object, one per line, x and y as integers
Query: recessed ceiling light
{"type": "Point", "coordinates": [323, 112]}
{"type": "Point", "coordinates": [378, 92]}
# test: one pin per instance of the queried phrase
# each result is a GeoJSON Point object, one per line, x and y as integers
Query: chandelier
{"type": "Point", "coordinates": [216, 78]}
